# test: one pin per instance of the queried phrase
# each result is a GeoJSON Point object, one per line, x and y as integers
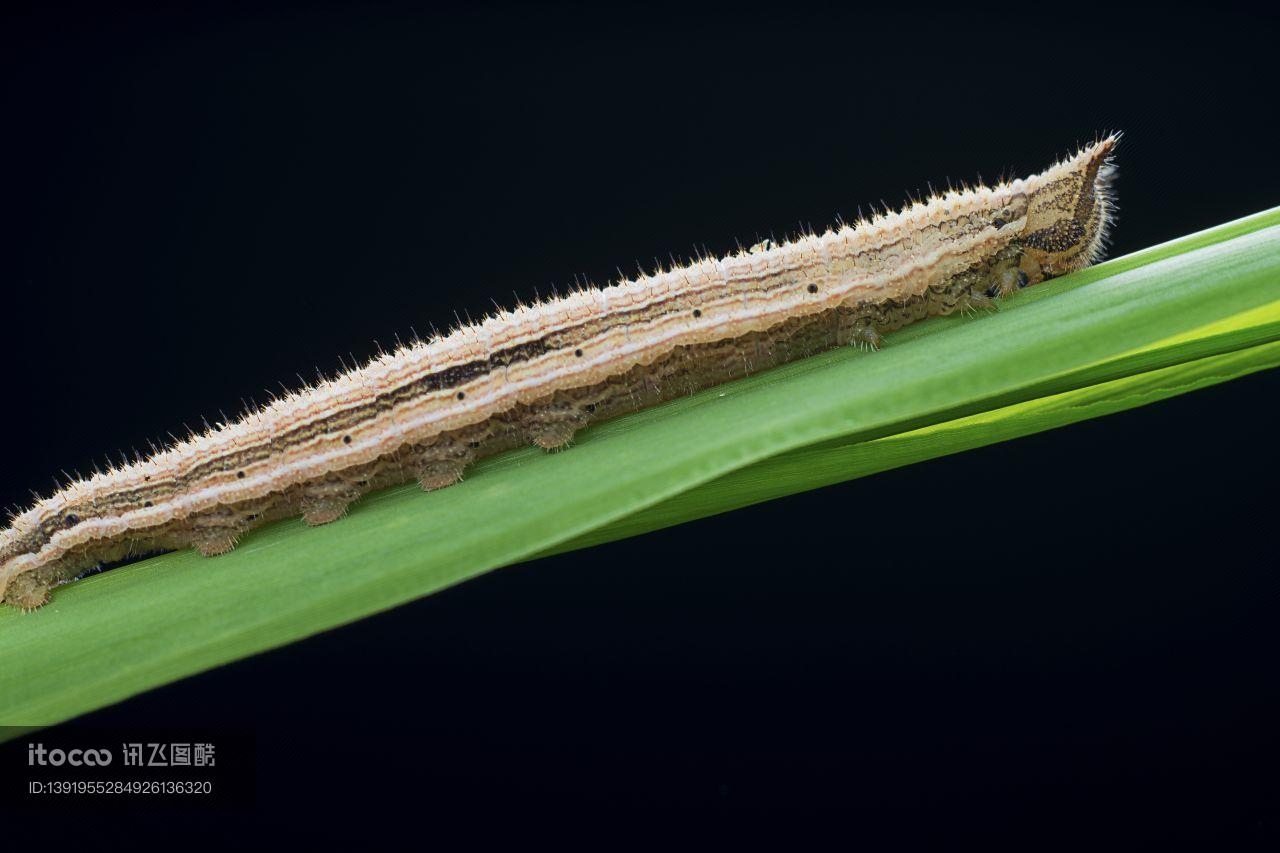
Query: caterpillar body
{"type": "Point", "coordinates": [540, 373]}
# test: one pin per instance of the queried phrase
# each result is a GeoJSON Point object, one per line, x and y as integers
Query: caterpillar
{"type": "Point", "coordinates": [541, 373]}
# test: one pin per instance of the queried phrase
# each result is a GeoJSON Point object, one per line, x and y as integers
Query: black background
{"type": "Point", "coordinates": [200, 204]}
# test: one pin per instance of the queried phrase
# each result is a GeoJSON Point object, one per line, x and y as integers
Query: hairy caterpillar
{"type": "Point", "coordinates": [542, 372]}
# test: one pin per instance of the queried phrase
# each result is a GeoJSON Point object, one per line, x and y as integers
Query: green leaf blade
{"type": "Point", "coordinates": [1138, 329]}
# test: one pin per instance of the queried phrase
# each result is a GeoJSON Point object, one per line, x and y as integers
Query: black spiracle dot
{"type": "Point", "coordinates": [992, 291]}
{"type": "Point", "coordinates": [239, 475]}
{"type": "Point", "coordinates": [578, 353]}
{"type": "Point", "coordinates": [697, 312]}
{"type": "Point", "coordinates": [591, 407]}
{"type": "Point", "coordinates": [998, 222]}
{"type": "Point", "coordinates": [473, 444]}
{"type": "Point", "coordinates": [346, 439]}
{"type": "Point", "coordinates": [71, 520]}
{"type": "Point", "coordinates": [147, 503]}
{"type": "Point", "coordinates": [462, 395]}
{"type": "Point", "coordinates": [1023, 281]}
{"type": "Point", "coordinates": [813, 288]}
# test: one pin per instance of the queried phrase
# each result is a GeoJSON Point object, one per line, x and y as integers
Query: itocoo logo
{"type": "Point", "coordinates": [37, 754]}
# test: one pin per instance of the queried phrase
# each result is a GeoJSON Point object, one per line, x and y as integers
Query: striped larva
{"type": "Point", "coordinates": [541, 373]}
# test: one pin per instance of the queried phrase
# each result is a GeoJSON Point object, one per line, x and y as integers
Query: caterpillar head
{"type": "Point", "coordinates": [1069, 212]}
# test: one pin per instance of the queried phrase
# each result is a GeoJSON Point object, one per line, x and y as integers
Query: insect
{"type": "Point", "coordinates": [542, 372]}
